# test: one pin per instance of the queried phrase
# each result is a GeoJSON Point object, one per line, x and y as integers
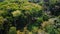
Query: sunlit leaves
{"type": "Point", "coordinates": [6, 6]}
{"type": "Point", "coordinates": [16, 13]}
{"type": "Point", "coordinates": [31, 6]}
{"type": "Point", "coordinates": [23, 11]}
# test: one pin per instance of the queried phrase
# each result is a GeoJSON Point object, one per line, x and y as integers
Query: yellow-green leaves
{"type": "Point", "coordinates": [6, 6]}
{"type": "Point", "coordinates": [30, 7]}
{"type": "Point", "coordinates": [40, 19]}
{"type": "Point", "coordinates": [35, 28]}
{"type": "Point", "coordinates": [16, 13]}
{"type": "Point", "coordinates": [3, 13]}
{"type": "Point", "coordinates": [12, 30]}
{"type": "Point", "coordinates": [1, 20]}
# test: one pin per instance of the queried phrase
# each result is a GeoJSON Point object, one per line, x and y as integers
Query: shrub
{"type": "Point", "coordinates": [12, 30]}
{"type": "Point", "coordinates": [40, 19]}
{"type": "Point", "coordinates": [45, 18]}
{"type": "Point", "coordinates": [50, 29]}
{"type": "Point", "coordinates": [16, 13]}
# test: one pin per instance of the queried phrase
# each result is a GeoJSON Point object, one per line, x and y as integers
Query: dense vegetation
{"type": "Point", "coordinates": [38, 18]}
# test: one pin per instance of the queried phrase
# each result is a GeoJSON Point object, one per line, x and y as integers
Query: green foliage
{"type": "Point", "coordinates": [41, 2]}
{"type": "Point", "coordinates": [32, 27]}
{"type": "Point", "coordinates": [21, 13]}
{"type": "Point", "coordinates": [53, 1]}
{"type": "Point", "coordinates": [3, 13]}
{"type": "Point", "coordinates": [12, 30]}
{"type": "Point", "coordinates": [16, 13]}
{"type": "Point", "coordinates": [54, 7]}
{"type": "Point", "coordinates": [1, 22]}
{"type": "Point", "coordinates": [45, 18]}
{"type": "Point", "coordinates": [6, 6]}
{"type": "Point", "coordinates": [35, 28]}
{"type": "Point", "coordinates": [50, 29]}
{"type": "Point", "coordinates": [40, 19]}
{"type": "Point", "coordinates": [53, 28]}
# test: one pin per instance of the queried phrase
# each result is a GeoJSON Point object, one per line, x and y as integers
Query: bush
{"type": "Point", "coordinates": [12, 30]}
{"type": "Point", "coordinates": [16, 13]}
{"type": "Point", "coordinates": [20, 13]}
{"type": "Point", "coordinates": [40, 19]}
{"type": "Point", "coordinates": [50, 29]}
{"type": "Point", "coordinates": [1, 22]}
{"type": "Point", "coordinates": [45, 18]}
